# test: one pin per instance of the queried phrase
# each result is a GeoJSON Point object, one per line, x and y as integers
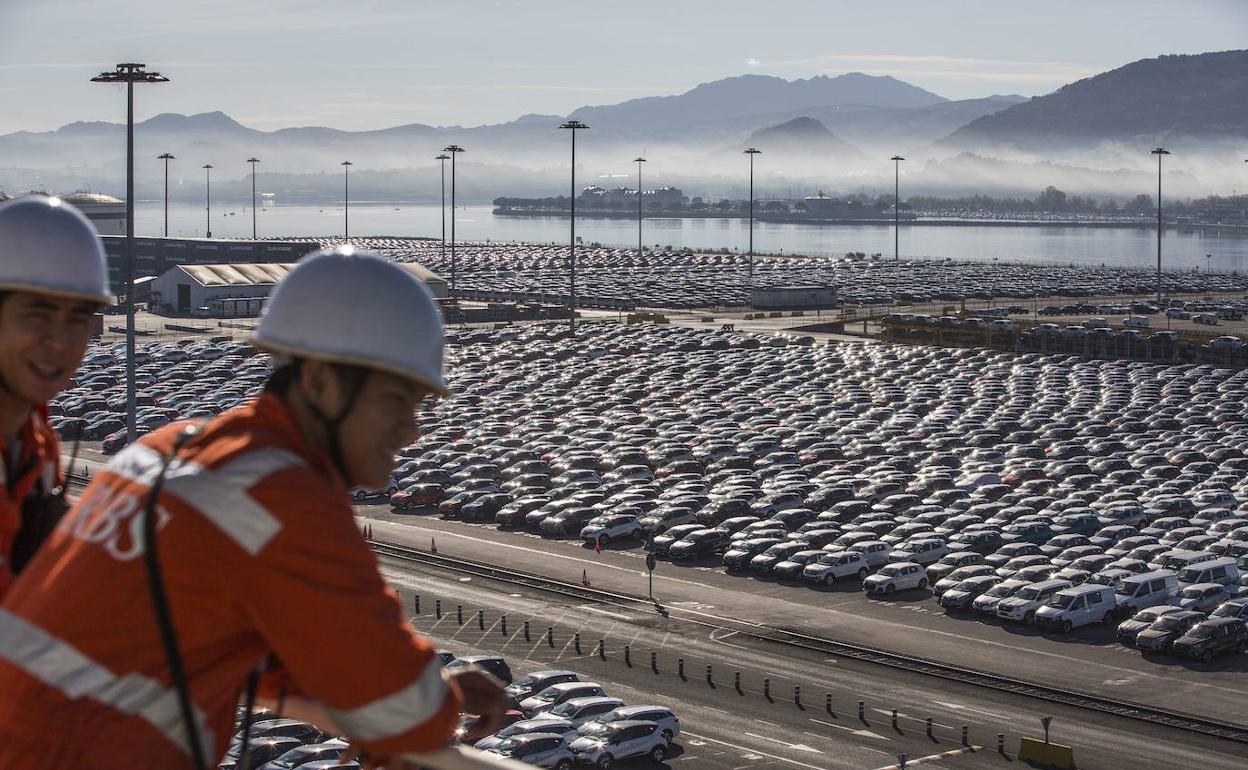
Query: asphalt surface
{"type": "Point", "coordinates": [1086, 660]}
{"type": "Point", "coordinates": [726, 727]}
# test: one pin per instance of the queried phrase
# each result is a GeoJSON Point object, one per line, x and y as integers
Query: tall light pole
{"type": "Point", "coordinates": [1159, 152]}
{"type": "Point", "coordinates": [752, 152]}
{"type": "Point", "coordinates": [208, 200]}
{"type": "Point", "coordinates": [166, 158]}
{"type": "Point", "coordinates": [573, 125]}
{"type": "Point", "coordinates": [639, 161]}
{"type": "Point", "coordinates": [442, 159]}
{"type": "Point", "coordinates": [896, 159]}
{"type": "Point", "coordinates": [453, 149]}
{"type": "Point", "coordinates": [346, 199]}
{"type": "Point", "coordinates": [131, 73]}
{"type": "Point", "coordinates": [253, 162]}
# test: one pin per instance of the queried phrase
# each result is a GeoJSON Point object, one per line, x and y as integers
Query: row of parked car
{"type": "Point", "coordinates": [767, 460]}
{"type": "Point", "coordinates": [683, 279]}
{"type": "Point", "coordinates": [557, 719]}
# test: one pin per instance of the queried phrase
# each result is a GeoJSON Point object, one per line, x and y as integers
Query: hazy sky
{"type": "Point", "coordinates": [358, 64]}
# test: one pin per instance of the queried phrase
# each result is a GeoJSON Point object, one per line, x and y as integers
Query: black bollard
{"type": "Point", "coordinates": [576, 642]}
{"type": "Point", "coordinates": [797, 696]}
{"type": "Point", "coordinates": [602, 651]}
{"type": "Point", "coordinates": [628, 655]}
{"type": "Point", "coordinates": [416, 603]}
{"type": "Point", "coordinates": [966, 735]}
{"type": "Point", "coordinates": [680, 667]}
{"type": "Point", "coordinates": [862, 711]}
{"type": "Point", "coordinates": [1000, 743]}
{"type": "Point", "coordinates": [767, 687]}
{"type": "Point", "coordinates": [526, 632]}
{"type": "Point", "coordinates": [736, 681]}
{"type": "Point", "coordinates": [502, 624]}
{"type": "Point", "coordinates": [709, 678]}
{"type": "Point", "coordinates": [437, 608]}
{"type": "Point", "coordinates": [827, 703]}
{"type": "Point", "coordinates": [894, 719]}
{"type": "Point", "coordinates": [654, 661]}
{"type": "Point", "coordinates": [929, 727]}
{"type": "Point", "coordinates": [459, 613]}
{"type": "Point", "coordinates": [550, 636]}
{"type": "Point", "coordinates": [481, 619]}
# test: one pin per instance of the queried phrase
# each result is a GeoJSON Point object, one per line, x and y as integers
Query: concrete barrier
{"type": "Point", "coordinates": [1050, 754]}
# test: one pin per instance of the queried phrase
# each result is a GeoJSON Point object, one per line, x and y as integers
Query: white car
{"type": "Point", "coordinates": [899, 576]}
{"type": "Point", "coordinates": [578, 711]}
{"type": "Point", "coordinates": [874, 552]}
{"type": "Point", "coordinates": [1022, 605]}
{"type": "Point", "coordinates": [558, 693]}
{"type": "Point", "coordinates": [830, 567]}
{"type": "Point", "coordinates": [665, 718]}
{"type": "Point", "coordinates": [621, 740]}
{"type": "Point", "coordinates": [922, 551]}
{"type": "Point", "coordinates": [612, 526]}
{"type": "Point", "coordinates": [561, 727]}
{"type": "Point", "coordinates": [538, 749]}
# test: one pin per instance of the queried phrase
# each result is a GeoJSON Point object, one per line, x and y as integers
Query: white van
{"type": "Point", "coordinates": [1078, 606]}
{"type": "Point", "coordinates": [1137, 321]}
{"type": "Point", "coordinates": [1221, 571]}
{"type": "Point", "coordinates": [1180, 559]}
{"type": "Point", "coordinates": [1147, 589]}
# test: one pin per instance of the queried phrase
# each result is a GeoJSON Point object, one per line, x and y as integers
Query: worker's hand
{"type": "Point", "coordinates": [484, 697]}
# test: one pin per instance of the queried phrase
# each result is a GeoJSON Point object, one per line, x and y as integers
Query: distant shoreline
{"type": "Point", "coordinates": [884, 221]}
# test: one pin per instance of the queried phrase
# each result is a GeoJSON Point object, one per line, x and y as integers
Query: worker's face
{"type": "Point", "coordinates": [42, 342]}
{"type": "Point", "coordinates": [382, 422]}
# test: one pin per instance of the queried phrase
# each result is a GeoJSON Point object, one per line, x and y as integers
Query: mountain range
{"type": "Point", "coordinates": [821, 130]}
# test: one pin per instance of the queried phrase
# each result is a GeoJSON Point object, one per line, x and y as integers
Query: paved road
{"type": "Point", "coordinates": [1086, 660]}
{"type": "Point", "coordinates": [742, 729]}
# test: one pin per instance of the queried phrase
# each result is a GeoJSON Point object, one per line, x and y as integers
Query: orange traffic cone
{"type": "Point", "coordinates": [433, 545]}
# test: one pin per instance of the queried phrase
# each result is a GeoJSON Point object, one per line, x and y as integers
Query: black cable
{"type": "Point", "coordinates": [249, 702]}
{"type": "Point", "coordinates": [160, 603]}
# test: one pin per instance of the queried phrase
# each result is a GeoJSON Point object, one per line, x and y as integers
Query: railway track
{"type": "Point", "coordinates": [1189, 722]}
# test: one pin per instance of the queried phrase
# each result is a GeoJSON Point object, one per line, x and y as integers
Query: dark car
{"type": "Point", "coordinates": [962, 595]}
{"type": "Point", "coordinates": [301, 755]}
{"type": "Point", "coordinates": [1163, 631]}
{"type": "Point", "coordinates": [261, 751]}
{"type": "Point", "coordinates": [660, 545]}
{"type": "Point", "coordinates": [533, 683]}
{"type": "Point", "coordinates": [1212, 637]}
{"type": "Point", "coordinates": [739, 555]}
{"type": "Point", "coordinates": [1130, 628]}
{"type": "Point", "coordinates": [765, 561]}
{"type": "Point", "coordinates": [791, 567]}
{"type": "Point", "coordinates": [492, 663]}
{"type": "Point", "coordinates": [699, 545]}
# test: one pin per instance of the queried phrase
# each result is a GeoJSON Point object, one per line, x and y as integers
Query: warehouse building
{"type": "Point", "coordinates": [236, 290]}
{"type": "Point", "coordinates": [155, 256]}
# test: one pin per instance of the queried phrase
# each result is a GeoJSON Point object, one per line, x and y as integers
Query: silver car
{"type": "Point", "coordinates": [539, 750]}
{"type": "Point", "coordinates": [621, 740]}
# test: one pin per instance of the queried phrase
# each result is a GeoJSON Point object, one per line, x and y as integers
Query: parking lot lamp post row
{"type": "Point", "coordinates": [639, 160]}
{"type": "Point", "coordinates": [208, 200]}
{"type": "Point", "coordinates": [346, 199]}
{"type": "Point", "coordinates": [453, 149]}
{"type": "Point", "coordinates": [442, 159]}
{"type": "Point", "coordinates": [573, 125]}
{"type": "Point", "coordinates": [166, 158]}
{"type": "Point", "coordinates": [253, 162]}
{"type": "Point", "coordinates": [751, 152]}
{"type": "Point", "coordinates": [896, 159]}
{"type": "Point", "coordinates": [130, 73]}
{"type": "Point", "coordinates": [1159, 152]}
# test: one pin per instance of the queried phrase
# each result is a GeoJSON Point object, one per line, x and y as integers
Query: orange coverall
{"type": "Point", "coordinates": [260, 555]}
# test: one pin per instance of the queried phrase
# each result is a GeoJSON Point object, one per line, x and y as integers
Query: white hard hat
{"type": "Point", "coordinates": [353, 306]}
{"type": "Point", "coordinates": [47, 246]}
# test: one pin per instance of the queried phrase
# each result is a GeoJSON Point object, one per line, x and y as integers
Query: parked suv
{"type": "Point", "coordinates": [898, 576]}
{"type": "Point", "coordinates": [1022, 606]}
{"type": "Point", "coordinates": [1211, 637]}
{"type": "Point", "coordinates": [832, 566]}
{"type": "Point", "coordinates": [621, 740]}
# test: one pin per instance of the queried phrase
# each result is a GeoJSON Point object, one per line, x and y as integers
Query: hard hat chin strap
{"type": "Point", "coordinates": [356, 377]}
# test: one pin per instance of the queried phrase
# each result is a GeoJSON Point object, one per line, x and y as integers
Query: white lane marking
{"type": "Point", "coordinates": [794, 746]}
{"type": "Point", "coordinates": [753, 753]}
{"type": "Point", "coordinates": [601, 611]}
{"type": "Point", "coordinates": [959, 707]}
{"type": "Point", "coordinates": [712, 708]}
{"type": "Point", "coordinates": [859, 733]}
{"type": "Point", "coordinates": [902, 715]}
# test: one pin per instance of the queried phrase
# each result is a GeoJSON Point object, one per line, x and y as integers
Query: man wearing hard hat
{"type": "Point", "coordinates": [53, 278]}
{"type": "Point", "coordinates": [120, 655]}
